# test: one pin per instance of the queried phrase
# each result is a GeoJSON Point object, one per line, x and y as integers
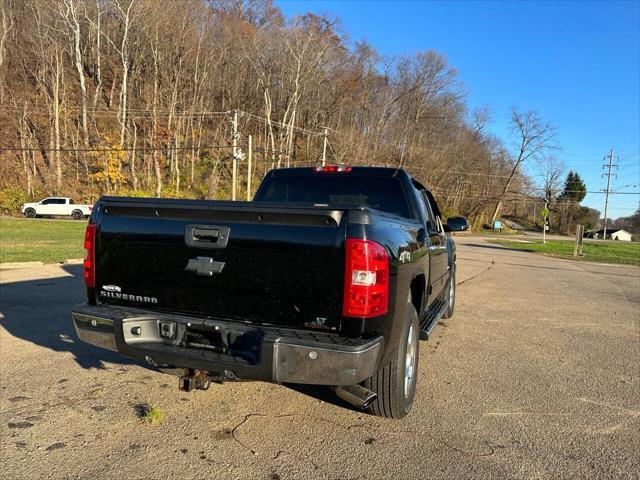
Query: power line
{"type": "Point", "coordinates": [630, 155]}
{"type": "Point", "coordinates": [557, 190]}
{"type": "Point", "coordinates": [478, 174]}
{"type": "Point", "coordinates": [279, 124]}
{"type": "Point", "coordinates": [77, 109]}
{"type": "Point", "coordinates": [110, 149]}
{"type": "Point", "coordinates": [628, 166]}
{"type": "Point", "coordinates": [257, 149]}
{"type": "Point", "coordinates": [165, 114]}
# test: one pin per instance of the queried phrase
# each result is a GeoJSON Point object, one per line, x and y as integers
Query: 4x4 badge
{"type": "Point", "coordinates": [205, 266]}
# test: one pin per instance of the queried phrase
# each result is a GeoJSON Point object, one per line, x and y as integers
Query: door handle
{"type": "Point", "coordinates": [206, 236]}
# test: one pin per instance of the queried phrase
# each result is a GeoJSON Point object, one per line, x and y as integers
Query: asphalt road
{"type": "Point", "coordinates": [536, 376]}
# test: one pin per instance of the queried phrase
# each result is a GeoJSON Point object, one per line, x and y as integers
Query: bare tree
{"type": "Point", "coordinates": [534, 138]}
{"type": "Point", "coordinates": [7, 25]}
{"type": "Point", "coordinates": [550, 171]}
{"type": "Point", "coordinates": [122, 46]}
{"type": "Point", "coordinates": [96, 48]}
{"type": "Point", "coordinates": [68, 10]}
{"type": "Point", "coordinates": [480, 117]}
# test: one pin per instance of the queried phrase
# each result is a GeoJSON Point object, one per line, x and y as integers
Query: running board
{"type": "Point", "coordinates": [431, 318]}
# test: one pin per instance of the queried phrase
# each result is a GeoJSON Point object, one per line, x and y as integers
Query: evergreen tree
{"type": "Point", "coordinates": [574, 188]}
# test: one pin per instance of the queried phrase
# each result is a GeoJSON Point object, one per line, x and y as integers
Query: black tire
{"type": "Point", "coordinates": [77, 215]}
{"type": "Point", "coordinates": [394, 400]}
{"type": "Point", "coordinates": [450, 293]}
{"type": "Point", "coordinates": [30, 213]}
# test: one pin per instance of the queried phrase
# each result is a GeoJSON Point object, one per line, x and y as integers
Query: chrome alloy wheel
{"type": "Point", "coordinates": [452, 290]}
{"type": "Point", "coordinates": [410, 362]}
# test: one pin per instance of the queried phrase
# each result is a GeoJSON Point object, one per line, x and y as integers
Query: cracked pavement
{"type": "Point", "coordinates": [536, 376]}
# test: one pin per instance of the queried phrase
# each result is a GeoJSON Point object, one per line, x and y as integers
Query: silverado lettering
{"type": "Point", "coordinates": [125, 296]}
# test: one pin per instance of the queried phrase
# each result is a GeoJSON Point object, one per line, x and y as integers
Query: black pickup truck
{"type": "Point", "coordinates": [330, 276]}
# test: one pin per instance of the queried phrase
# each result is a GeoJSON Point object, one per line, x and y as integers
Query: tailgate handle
{"type": "Point", "coordinates": [206, 236]}
{"type": "Point", "coordinates": [203, 235]}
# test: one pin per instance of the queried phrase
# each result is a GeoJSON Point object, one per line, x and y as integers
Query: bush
{"type": "Point", "coordinates": [11, 199]}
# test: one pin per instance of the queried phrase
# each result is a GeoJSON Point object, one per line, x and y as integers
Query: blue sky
{"type": "Point", "coordinates": [576, 63]}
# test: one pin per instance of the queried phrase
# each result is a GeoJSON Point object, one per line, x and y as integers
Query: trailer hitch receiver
{"type": "Point", "coordinates": [198, 379]}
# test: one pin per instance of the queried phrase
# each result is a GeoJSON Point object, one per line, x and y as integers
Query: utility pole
{"type": "Point", "coordinates": [324, 146]}
{"type": "Point", "coordinates": [606, 196]}
{"type": "Point", "coordinates": [234, 154]}
{"type": "Point", "coordinates": [577, 249]}
{"type": "Point", "coordinates": [545, 220]}
{"type": "Point", "coordinates": [249, 158]}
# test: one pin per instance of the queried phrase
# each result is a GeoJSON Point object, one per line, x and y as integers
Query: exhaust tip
{"type": "Point", "coordinates": [356, 395]}
{"type": "Point", "coordinates": [369, 400]}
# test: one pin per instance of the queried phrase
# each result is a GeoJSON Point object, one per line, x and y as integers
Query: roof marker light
{"type": "Point", "coordinates": [342, 168]}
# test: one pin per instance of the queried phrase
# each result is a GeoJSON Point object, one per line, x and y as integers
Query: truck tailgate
{"type": "Point", "coordinates": [243, 261]}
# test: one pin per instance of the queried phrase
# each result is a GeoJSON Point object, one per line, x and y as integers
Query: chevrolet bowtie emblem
{"type": "Point", "coordinates": [204, 266]}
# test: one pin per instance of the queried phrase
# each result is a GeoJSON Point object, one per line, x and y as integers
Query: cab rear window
{"type": "Point", "coordinates": [345, 190]}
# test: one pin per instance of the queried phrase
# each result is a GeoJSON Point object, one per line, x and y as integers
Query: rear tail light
{"type": "Point", "coordinates": [332, 169]}
{"type": "Point", "coordinates": [90, 255]}
{"type": "Point", "coordinates": [366, 279]}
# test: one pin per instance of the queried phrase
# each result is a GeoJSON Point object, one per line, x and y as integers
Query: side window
{"type": "Point", "coordinates": [48, 201]}
{"type": "Point", "coordinates": [71, 202]}
{"type": "Point", "coordinates": [424, 208]}
{"type": "Point", "coordinates": [432, 218]}
{"type": "Point", "coordinates": [435, 213]}
{"type": "Point", "coordinates": [58, 201]}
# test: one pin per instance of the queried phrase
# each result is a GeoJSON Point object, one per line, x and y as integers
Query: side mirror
{"type": "Point", "coordinates": [456, 224]}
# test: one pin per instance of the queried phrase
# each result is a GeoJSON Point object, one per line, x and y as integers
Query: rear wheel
{"type": "Point", "coordinates": [77, 215]}
{"type": "Point", "coordinates": [30, 213]}
{"type": "Point", "coordinates": [395, 382]}
{"type": "Point", "coordinates": [450, 293]}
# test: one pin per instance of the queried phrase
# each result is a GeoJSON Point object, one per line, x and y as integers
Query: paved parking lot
{"type": "Point", "coordinates": [536, 376]}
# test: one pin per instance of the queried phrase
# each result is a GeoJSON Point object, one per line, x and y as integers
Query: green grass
{"type": "Point", "coordinates": [38, 240]}
{"type": "Point", "coordinates": [150, 414]}
{"type": "Point", "coordinates": [594, 251]}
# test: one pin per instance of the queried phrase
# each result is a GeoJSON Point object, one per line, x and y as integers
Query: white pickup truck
{"type": "Point", "coordinates": [58, 207]}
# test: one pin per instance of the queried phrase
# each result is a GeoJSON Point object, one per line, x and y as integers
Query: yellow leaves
{"type": "Point", "coordinates": [109, 158]}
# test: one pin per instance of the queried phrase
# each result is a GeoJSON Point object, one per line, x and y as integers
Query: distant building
{"type": "Point", "coordinates": [612, 234]}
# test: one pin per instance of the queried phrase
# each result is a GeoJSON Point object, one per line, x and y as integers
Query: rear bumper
{"type": "Point", "coordinates": [241, 352]}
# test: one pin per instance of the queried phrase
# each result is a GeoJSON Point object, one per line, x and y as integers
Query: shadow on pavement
{"type": "Point", "coordinates": [39, 311]}
{"type": "Point", "coordinates": [323, 393]}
